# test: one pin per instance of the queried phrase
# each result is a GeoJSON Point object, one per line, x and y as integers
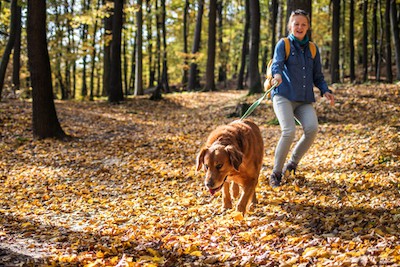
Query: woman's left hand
{"type": "Point", "coordinates": [330, 97]}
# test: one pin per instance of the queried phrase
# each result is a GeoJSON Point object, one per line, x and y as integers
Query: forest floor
{"type": "Point", "coordinates": [124, 191]}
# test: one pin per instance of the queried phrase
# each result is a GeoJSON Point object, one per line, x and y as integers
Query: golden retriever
{"type": "Point", "coordinates": [233, 153]}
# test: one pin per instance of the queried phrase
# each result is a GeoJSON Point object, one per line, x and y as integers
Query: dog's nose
{"type": "Point", "coordinates": [210, 184]}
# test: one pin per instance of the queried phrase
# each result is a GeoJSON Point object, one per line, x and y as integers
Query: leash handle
{"type": "Point", "coordinates": [257, 103]}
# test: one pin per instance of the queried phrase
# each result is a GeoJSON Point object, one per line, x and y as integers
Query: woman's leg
{"type": "Point", "coordinates": [284, 112]}
{"type": "Point", "coordinates": [309, 121]}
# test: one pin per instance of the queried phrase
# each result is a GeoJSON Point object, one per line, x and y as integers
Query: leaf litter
{"type": "Point", "coordinates": [124, 191]}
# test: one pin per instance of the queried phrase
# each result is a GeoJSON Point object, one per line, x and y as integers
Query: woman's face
{"type": "Point", "coordinates": [299, 26]}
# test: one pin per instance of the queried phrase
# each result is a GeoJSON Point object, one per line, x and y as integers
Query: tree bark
{"type": "Point", "coordinates": [164, 75]}
{"type": "Point", "coordinates": [245, 47]}
{"type": "Point", "coordinates": [139, 51]}
{"type": "Point", "coordinates": [108, 22]}
{"type": "Point", "coordinates": [44, 117]}
{"type": "Point", "coordinates": [365, 40]}
{"type": "Point", "coordinates": [15, 9]}
{"type": "Point", "coordinates": [185, 71]}
{"type": "Point", "coordinates": [210, 79]}
{"type": "Point", "coordinates": [396, 35]}
{"type": "Point", "coordinates": [116, 94]}
{"type": "Point", "coordinates": [17, 53]}
{"type": "Point", "coordinates": [351, 42]}
{"type": "Point", "coordinates": [193, 76]}
{"type": "Point", "coordinates": [254, 72]}
{"type": "Point", "coordinates": [335, 76]}
{"type": "Point", "coordinates": [389, 73]}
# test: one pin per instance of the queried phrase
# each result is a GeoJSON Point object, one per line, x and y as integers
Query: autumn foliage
{"type": "Point", "coordinates": [124, 192]}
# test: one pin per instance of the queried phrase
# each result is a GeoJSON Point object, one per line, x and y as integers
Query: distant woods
{"type": "Point", "coordinates": [105, 48]}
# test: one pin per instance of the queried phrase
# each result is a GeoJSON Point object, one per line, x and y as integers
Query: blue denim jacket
{"type": "Point", "coordinates": [300, 72]}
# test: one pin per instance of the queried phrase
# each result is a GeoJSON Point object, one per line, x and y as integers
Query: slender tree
{"type": "Point", "coordinates": [210, 79]}
{"type": "Point", "coordinates": [193, 72]}
{"type": "Point", "coordinates": [351, 42]}
{"type": "Point", "coordinates": [365, 40]}
{"type": "Point", "coordinates": [164, 75]}
{"type": "Point", "coordinates": [335, 52]}
{"type": "Point", "coordinates": [185, 71]}
{"type": "Point", "coordinates": [149, 24]}
{"type": "Point", "coordinates": [396, 34]}
{"type": "Point", "coordinates": [84, 36]}
{"type": "Point", "coordinates": [139, 53]}
{"type": "Point", "coordinates": [44, 117]}
{"type": "Point", "coordinates": [222, 53]}
{"type": "Point", "coordinates": [116, 94]}
{"type": "Point", "coordinates": [94, 54]}
{"type": "Point", "coordinates": [389, 73]}
{"type": "Point", "coordinates": [15, 17]}
{"type": "Point", "coordinates": [108, 22]}
{"type": "Point", "coordinates": [375, 38]}
{"type": "Point", "coordinates": [245, 46]}
{"type": "Point", "coordinates": [17, 53]}
{"type": "Point", "coordinates": [254, 72]}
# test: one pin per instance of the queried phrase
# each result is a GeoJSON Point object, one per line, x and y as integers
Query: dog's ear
{"type": "Point", "coordinates": [235, 156]}
{"type": "Point", "coordinates": [200, 159]}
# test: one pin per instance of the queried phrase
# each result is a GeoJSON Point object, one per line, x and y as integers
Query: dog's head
{"type": "Point", "coordinates": [218, 161]}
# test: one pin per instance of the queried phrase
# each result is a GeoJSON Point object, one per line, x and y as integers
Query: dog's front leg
{"type": "Point", "coordinates": [226, 196]}
{"type": "Point", "coordinates": [248, 192]}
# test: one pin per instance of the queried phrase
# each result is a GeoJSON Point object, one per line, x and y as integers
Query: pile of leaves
{"type": "Point", "coordinates": [124, 190]}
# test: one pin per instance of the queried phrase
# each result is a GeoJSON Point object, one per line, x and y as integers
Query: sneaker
{"type": "Point", "coordinates": [275, 179]}
{"type": "Point", "coordinates": [290, 167]}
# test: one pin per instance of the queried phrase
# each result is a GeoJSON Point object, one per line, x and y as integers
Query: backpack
{"type": "Point", "coordinates": [268, 82]}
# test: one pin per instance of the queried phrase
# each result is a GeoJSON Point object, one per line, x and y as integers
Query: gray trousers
{"type": "Point", "coordinates": [286, 111]}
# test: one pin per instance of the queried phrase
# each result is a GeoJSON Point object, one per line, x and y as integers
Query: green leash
{"type": "Point", "coordinates": [256, 104]}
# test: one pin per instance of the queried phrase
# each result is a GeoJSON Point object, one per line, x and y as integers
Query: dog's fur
{"type": "Point", "coordinates": [233, 152]}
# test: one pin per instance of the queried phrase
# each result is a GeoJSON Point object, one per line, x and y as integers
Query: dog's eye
{"type": "Point", "coordinates": [206, 166]}
{"type": "Point", "coordinates": [219, 166]}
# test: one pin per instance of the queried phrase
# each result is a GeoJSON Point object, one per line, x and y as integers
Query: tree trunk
{"type": "Point", "coordinates": [210, 79]}
{"type": "Point", "coordinates": [396, 35]}
{"type": "Point", "coordinates": [185, 44]}
{"type": "Point", "coordinates": [15, 9]}
{"type": "Point", "coordinates": [116, 94]}
{"type": "Point", "coordinates": [365, 40]}
{"type": "Point", "coordinates": [193, 76]}
{"type": "Point", "coordinates": [335, 41]}
{"type": "Point", "coordinates": [245, 47]}
{"type": "Point", "coordinates": [254, 72]}
{"type": "Point", "coordinates": [84, 37]}
{"type": "Point", "coordinates": [164, 76]}
{"type": "Point", "coordinates": [17, 53]}
{"type": "Point", "coordinates": [274, 18]}
{"type": "Point", "coordinates": [351, 42]}
{"type": "Point", "coordinates": [139, 53]}
{"type": "Point", "coordinates": [108, 22]}
{"type": "Point", "coordinates": [375, 38]}
{"type": "Point", "coordinates": [389, 73]}
{"type": "Point", "coordinates": [150, 43]}
{"type": "Point", "coordinates": [222, 53]}
{"type": "Point", "coordinates": [94, 53]}
{"type": "Point", "coordinates": [44, 117]}
{"type": "Point", "coordinates": [60, 46]}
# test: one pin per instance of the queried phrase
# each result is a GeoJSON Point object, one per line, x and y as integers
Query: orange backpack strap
{"type": "Point", "coordinates": [312, 46]}
{"type": "Point", "coordinates": [287, 47]}
{"type": "Point", "coordinates": [313, 49]}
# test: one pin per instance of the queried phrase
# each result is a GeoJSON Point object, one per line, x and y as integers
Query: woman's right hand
{"type": "Point", "coordinates": [277, 79]}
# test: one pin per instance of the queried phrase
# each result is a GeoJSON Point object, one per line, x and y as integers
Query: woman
{"type": "Point", "coordinates": [293, 96]}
